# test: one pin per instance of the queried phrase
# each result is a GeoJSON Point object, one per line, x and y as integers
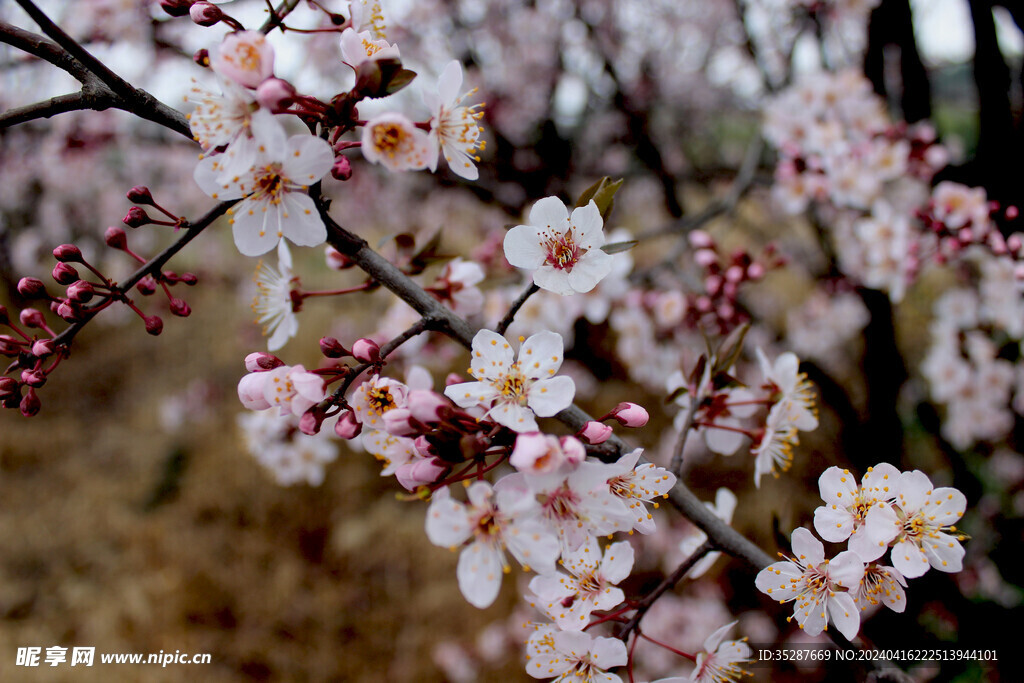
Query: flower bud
{"type": "Point", "coordinates": [205, 13]}
{"type": "Point", "coordinates": [427, 406]}
{"type": "Point", "coordinates": [30, 317]}
{"type": "Point", "coordinates": [701, 240]}
{"type": "Point", "coordinates": [33, 378]}
{"type": "Point", "coordinates": [419, 473]}
{"type": "Point", "coordinates": [9, 346]}
{"type": "Point", "coordinates": [453, 378]}
{"type": "Point", "coordinates": [154, 325]}
{"type": "Point", "coordinates": [366, 351]}
{"type": "Point", "coordinates": [30, 403]}
{"type": "Point", "coordinates": [41, 348]}
{"type": "Point", "coordinates": [338, 261]}
{"type": "Point", "coordinates": [332, 348]}
{"type": "Point", "coordinates": [8, 387]}
{"type": "Point", "coordinates": [69, 311]}
{"type": "Point", "coordinates": [346, 427]}
{"type": "Point", "coordinates": [261, 361]}
{"type": "Point", "coordinates": [115, 237]}
{"type": "Point", "coordinates": [176, 8]}
{"type": "Point", "coordinates": [140, 194]}
{"type": "Point", "coordinates": [31, 288]}
{"type": "Point", "coordinates": [80, 291]}
{"type": "Point", "coordinates": [595, 432]}
{"type": "Point", "coordinates": [180, 308]}
{"type": "Point", "coordinates": [275, 94]}
{"type": "Point", "coordinates": [68, 253]}
{"type": "Point", "coordinates": [310, 422]}
{"type": "Point", "coordinates": [755, 271]}
{"type": "Point", "coordinates": [702, 257]}
{"type": "Point", "coordinates": [189, 279]}
{"type": "Point", "coordinates": [630, 415]}
{"type": "Point", "coordinates": [135, 217]}
{"type": "Point", "coordinates": [342, 168]}
{"type": "Point", "coordinates": [65, 274]}
{"type": "Point", "coordinates": [146, 286]}
{"type": "Point", "coordinates": [398, 422]}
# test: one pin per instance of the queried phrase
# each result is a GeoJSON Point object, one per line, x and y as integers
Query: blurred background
{"type": "Point", "coordinates": [134, 519]}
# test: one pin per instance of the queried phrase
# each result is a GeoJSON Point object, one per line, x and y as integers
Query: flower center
{"type": "Point", "coordinates": [271, 183]}
{"type": "Point", "coordinates": [560, 504]}
{"type": "Point", "coordinates": [380, 400]}
{"type": "Point", "coordinates": [389, 138]}
{"type": "Point", "coordinates": [371, 48]}
{"type": "Point", "coordinates": [512, 386]}
{"type": "Point", "coordinates": [245, 57]}
{"type": "Point", "coordinates": [563, 252]}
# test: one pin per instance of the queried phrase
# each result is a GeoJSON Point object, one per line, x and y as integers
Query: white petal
{"type": "Point", "coordinates": [912, 490]}
{"type": "Point", "coordinates": [300, 221]}
{"type": "Point", "coordinates": [492, 355]}
{"type": "Point", "coordinates": [552, 279]}
{"type": "Point", "coordinates": [807, 548]}
{"type": "Point", "coordinates": [540, 357]}
{"type": "Point", "coordinates": [448, 523]}
{"type": "Point", "coordinates": [469, 394]}
{"type": "Point", "coordinates": [514, 416]}
{"type": "Point", "coordinates": [590, 270]}
{"type": "Point", "coordinates": [910, 560]}
{"type": "Point", "coordinates": [781, 581]}
{"type": "Point", "coordinates": [523, 248]}
{"type": "Point", "coordinates": [549, 396]}
{"type": "Point", "coordinates": [844, 614]}
{"type": "Point", "coordinates": [549, 213]}
{"type": "Point", "coordinates": [837, 487]}
{"type": "Point", "coordinates": [308, 159]}
{"type": "Point", "coordinates": [588, 226]}
{"type": "Point", "coordinates": [833, 523]}
{"type": "Point", "coordinates": [254, 231]}
{"type": "Point", "coordinates": [944, 552]}
{"type": "Point", "coordinates": [479, 573]}
{"type": "Point", "coordinates": [846, 569]}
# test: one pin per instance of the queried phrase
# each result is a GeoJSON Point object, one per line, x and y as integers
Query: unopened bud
{"type": "Point", "coordinates": [342, 168]}
{"type": "Point", "coordinates": [69, 312]}
{"type": "Point", "coordinates": [80, 291]}
{"type": "Point", "coordinates": [135, 217]}
{"type": "Point", "coordinates": [154, 325]}
{"type": "Point", "coordinates": [41, 348]}
{"type": "Point", "coordinates": [261, 361]}
{"type": "Point", "coordinates": [701, 240]}
{"type": "Point", "coordinates": [9, 346]}
{"type": "Point", "coordinates": [630, 415]}
{"type": "Point", "coordinates": [115, 237]}
{"type": "Point", "coordinates": [68, 253]}
{"type": "Point", "coordinates": [205, 13]}
{"type": "Point", "coordinates": [180, 308]}
{"type": "Point", "coordinates": [702, 257]}
{"type": "Point", "coordinates": [338, 261]}
{"type": "Point", "coordinates": [755, 271]}
{"type": "Point", "coordinates": [275, 94]}
{"type": "Point", "coordinates": [31, 288]}
{"type": "Point", "coordinates": [33, 378]}
{"type": "Point", "coordinates": [30, 317]}
{"type": "Point", "coordinates": [65, 274]}
{"type": "Point", "coordinates": [176, 8]}
{"type": "Point", "coordinates": [146, 286]}
{"type": "Point", "coordinates": [366, 350]}
{"type": "Point", "coordinates": [347, 427]}
{"type": "Point", "coordinates": [189, 279]}
{"type": "Point", "coordinates": [1011, 213]}
{"type": "Point", "coordinates": [140, 194]}
{"type": "Point", "coordinates": [310, 422]}
{"type": "Point", "coordinates": [332, 348]}
{"type": "Point", "coordinates": [595, 432]}
{"type": "Point", "coordinates": [30, 403]}
{"type": "Point", "coordinates": [8, 387]}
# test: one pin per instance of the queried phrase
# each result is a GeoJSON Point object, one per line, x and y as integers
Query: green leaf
{"type": "Point", "coordinates": [616, 247]}
{"type": "Point", "coordinates": [399, 80]}
{"type": "Point", "coordinates": [602, 193]}
{"type": "Point", "coordinates": [730, 349]}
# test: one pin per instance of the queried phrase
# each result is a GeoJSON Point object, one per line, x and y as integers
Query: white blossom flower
{"type": "Point", "coordinates": [375, 397]}
{"type": "Point", "coordinates": [881, 584]}
{"type": "Point", "coordinates": [273, 301]}
{"type": "Point", "coordinates": [774, 452]}
{"type": "Point", "coordinates": [794, 391]}
{"type": "Point", "coordinates": [289, 388]}
{"type": "Point", "coordinates": [590, 584]}
{"type": "Point", "coordinates": [394, 142]}
{"type": "Point", "coordinates": [637, 486]}
{"type": "Point", "coordinates": [362, 46]}
{"type": "Point", "coordinates": [847, 506]}
{"type": "Point", "coordinates": [453, 128]}
{"type": "Point", "coordinates": [489, 523]}
{"type": "Point", "coordinates": [274, 203]}
{"type": "Point", "coordinates": [574, 657]}
{"type": "Point", "coordinates": [563, 251]}
{"type": "Point", "coordinates": [246, 57]}
{"type": "Point", "coordinates": [392, 451]}
{"type": "Point", "coordinates": [719, 661]}
{"type": "Point", "coordinates": [515, 391]}
{"type": "Point", "coordinates": [367, 15]}
{"type": "Point", "coordinates": [813, 583]}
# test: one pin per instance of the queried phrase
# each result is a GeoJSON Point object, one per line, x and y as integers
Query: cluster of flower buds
{"type": "Point", "coordinates": [626, 414]}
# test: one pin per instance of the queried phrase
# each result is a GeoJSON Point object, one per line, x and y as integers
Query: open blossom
{"type": "Point", "coordinates": [720, 659]}
{"type": "Point", "coordinates": [273, 301]}
{"type": "Point", "coordinates": [392, 451]}
{"type": "Point", "coordinates": [814, 584]}
{"type": "Point", "coordinates": [246, 57]}
{"type": "Point", "coordinates": [274, 203]}
{"type": "Point", "coordinates": [515, 391]}
{"type": "Point", "coordinates": [922, 526]}
{"type": "Point", "coordinates": [589, 585]}
{"type": "Point", "coordinates": [488, 524]}
{"type": "Point", "coordinates": [574, 657]}
{"type": "Point", "coordinates": [881, 584]}
{"type": "Point", "coordinates": [773, 453]}
{"type": "Point", "coordinates": [362, 46]}
{"type": "Point", "coordinates": [538, 453]}
{"type": "Point", "coordinates": [847, 506]}
{"type": "Point", "coordinates": [289, 388]}
{"type": "Point", "coordinates": [394, 142]}
{"type": "Point", "coordinates": [563, 251]}
{"type": "Point", "coordinates": [639, 485]}
{"type": "Point", "coordinates": [792, 388]}
{"type": "Point", "coordinates": [374, 398]}
{"type": "Point", "coordinates": [453, 127]}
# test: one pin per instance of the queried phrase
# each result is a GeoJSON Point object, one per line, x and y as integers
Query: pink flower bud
{"type": "Point", "coordinates": [538, 453]}
{"type": "Point", "coordinates": [140, 194]}
{"type": "Point", "coordinates": [734, 273]}
{"type": "Point", "coordinates": [30, 317]}
{"type": "Point", "coordinates": [261, 361]}
{"type": "Point", "coordinates": [366, 350]}
{"type": "Point", "coordinates": [419, 473]}
{"type": "Point", "coordinates": [332, 348]}
{"type": "Point", "coordinates": [705, 257]}
{"type": "Point", "coordinates": [397, 421]}
{"type": "Point", "coordinates": [146, 286]}
{"type": "Point", "coordinates": [80, 291]}
{"type": "Point", "coordinates": [180, 308]}
{"type": "Point", "coordinates": [630, 415]}
{"type": "Point", "coordinates": [135, 217]}
{"type": "Point", "coordinates": [713, 284]}
{"type": "Point", "coordinates": [68, 253]}
{"type": "Point", "coordinates": [31, 288]}
{"type": "Point", "coordinates": [176, 8]}
{"type": "Point", "coordinates": [1014, 242]}
{"type": "Point", "coordinates": [726, 311]}
{"type": "Point", "coordinates": [310, 422]}
{"type": "Point", "coordinates": [8, 387]}
{"type": "Point", "coordinates": [453, 378]}
{"type": "Point", "coordinates": [189, 279]}
{"type": "Point", "coordinates": [70, 311]}
{"type": "Point", "coordinates": [205, 13]}
{"type": "Point", "coordinates": [594, 432]}
{"type": "Point", "coordinates": [347, 427]}
{"type": "Point", "coordinates": [755, 271]}
{"type": "Point", "coordinates": [41, 348]}
{"type": "Point", "coordinates": [65, 274]}
{"type": "Point", "coordinates": [115, 237]}
{"type": "Point", "coordinates": [704, 304]}
{"type": "Point", "coordinates": [701, 240]}
{"type": "Point", "coordinates": [9, 345]}
{"type": "Point", "coordinates": [30, 403]}
{"type": "Point", "coordinates": [275, 94]}
{"type": "Point", "coordinates": [154, 325]}
{"type": "Point", "coordinates": [342, 168]}
{"type": "Point", "coordinates": [427, 406]}
{"type": "Point", "coordinates": [423, 447]}
{"type": "Point", "coordinates": [33, 378]}
{"type": "Point", "coordinates": [1011, 213]}
{"type": "Point", "coordinates": [338, 261]}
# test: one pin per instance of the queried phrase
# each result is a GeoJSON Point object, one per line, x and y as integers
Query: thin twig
{"type": "Point", "coordinates": [276, 18]}
{"type": "Point", "coordinates": [666, 585]}
{"type": "Point", "coordinates": [514, 308]}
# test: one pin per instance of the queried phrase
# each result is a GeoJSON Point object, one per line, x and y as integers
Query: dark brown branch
{"type": "Point", "coordinates": [666, 585]}
{"type": "Point", "coordinates": [44, 49]}
{"type": "Point", "coordinates": [514, 308]}
{"type": "Point", "coordinates": [277, 17]}
{"type": "Point", "coordinates": [56, 105]}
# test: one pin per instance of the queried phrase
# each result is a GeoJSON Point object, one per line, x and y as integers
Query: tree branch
{"type": "Point", "coordinates": [56, 105]}
{"type": "Point", "coordinates": [514, 308]}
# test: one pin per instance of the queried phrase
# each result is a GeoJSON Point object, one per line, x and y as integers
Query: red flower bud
{"type": "Point", "coordinates": [65, 274]}
{"type": "Point", "coordinates": [189, 279]}
{"type": "Point", "coordinates": [30, 403]}
{"type": "Point", "coordinates": [310, 422]}
{"type": "Point", "coordinates": [8, 387]}
{"type": "Point", "coordinates": [33, 378]}
{"type": "Point", "coordinates": [205, 13]}
{"type": "Point", "coordinates": [69, 311]}
{"type": "Point", "coordinates": [140, 194]}
{"type": "Point", "coordinates": [342, 168]}
{"type": "Point", "coordinates": [180, 308]}
{"type": "Point", "coordinates": [68, 253]}
{"type": "Point", "coordinates": [31, 288]}
{"type": "Point", "coordinates": [630, 414]}
{"type": "Point", "coordinates": [346, 427]}
{"type": "Point", "coordinates": [146, 286]}
{"type": "Point", "coordinates": [30, 317]}
{"type": "Point", "coordinates": [80, 291]}
{"type": "Point", "coordinates": [332, 348]}
{"type": "Point", "coordinates": [275, 94]}
{"type": "Point", "coordinates": [154, 325]}
{"type": "Point", "coordinates": [135, 217]}
{"type": "Point", "coordinates": [261, 361]}
{"type": "Point", "coordinates": [41, 348]}
{"type": "Point", "coordinates": [176, 8]}
{"type": "Point", "coordinates": [115, 237]}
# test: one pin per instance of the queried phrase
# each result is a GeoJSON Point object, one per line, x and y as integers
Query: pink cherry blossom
{"type": "Point", "coordinates": [246, 57]}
